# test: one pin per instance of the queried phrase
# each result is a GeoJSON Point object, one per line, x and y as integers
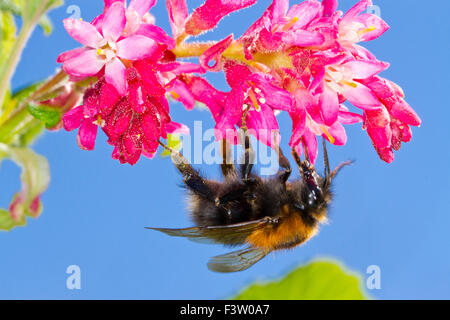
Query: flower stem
{"type": "Point", "coordinates": [13, 59]}
{"type": "Point", "coordinates": [236, 52]}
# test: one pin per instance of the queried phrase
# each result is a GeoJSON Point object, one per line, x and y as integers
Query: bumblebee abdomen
{"type": "Point", "coordinates": [291, 231]}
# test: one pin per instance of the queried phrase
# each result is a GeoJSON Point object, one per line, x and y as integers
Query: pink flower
{"type": "Point", "coordinates": [340, 79]}
{"type": "Point", "coordinates": [280, 27]}
{"type": "Point", "coordinates": [307, 123]}
{"type": "Point", "coordinates": [106, 48]}
{"type": "Point", "coordinates": [258, 92]}
{"type": "Point", "coordinates": [211, 12]}
{"type": "Point", "coordinates": [355, 27]}
{"type": "Point", "coordinates": [389, 126]}
{"type": "Point", "coordinates": [88, 116]}
{"type": "Point", "coordinates": [134, 122]}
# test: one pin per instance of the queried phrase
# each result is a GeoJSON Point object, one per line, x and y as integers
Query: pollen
{"type": "Point", "coordinates": [288, 25]}
{"type": "Point", "coordinates": [349, 83]}
{"type": "Point", "coordinates": [330, 137]}
{"type": "Point", "coordinates": [99, 51]}
{"type": "Point", "coordinates": [367, 30]}
{"type": "Point", "coordinates": [252, 96]}
{"type": "Point", "coordinates": [175, 95]}
{"type": "Point", "coordinates": [100, 122]}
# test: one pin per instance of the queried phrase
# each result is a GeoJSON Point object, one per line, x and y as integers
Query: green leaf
{"type": "Point", "coordinates": [50, 116]}
{"type": "Point", "coordinates": [319, 280]}
{"type": "Point", "coordinates": [35, 178]}
{"type": "Point", "coordinates": [7, 222]}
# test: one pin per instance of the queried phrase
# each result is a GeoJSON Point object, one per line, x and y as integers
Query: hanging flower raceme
{"type": "Point", "coordinates": [304, 59]}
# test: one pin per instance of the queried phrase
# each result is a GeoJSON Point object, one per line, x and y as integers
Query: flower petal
{"type": "Point", "coordinates": [85, 64]}
{"type": "Point", "coordinates": [346, 117]}
{"type": "Point", "coordinates": [178, 14]}
{"type": "Point", "coordinates": [263, 124]}
{"type": "Point", "coordinates": [73, 118]}
{"type": "Point", "coordinates": [329, 7]}
{"type": "Point", "coordinates": [310, 140]}
{"type": "Point", "coordinates": [86, 135]}
{"type": "Point", "coordinates": [236, 73]}
{"type": "Point", "coordinates": [203, 92]}
{"type": "Point", "coordinates": [304, 12]}
{"type": "Point", "coordinates": [403, 111]}
{"type": "Point", "coordinates": [278, 10]}
{"type": "Point", "coordinates": [177, 128]}
{"type": "Point", "coordinates": [374, 22]}
{"type": "Point", "coordinates": [214, 53]}
{"type": "Point", "coordinates": [361, 97]}
{"type": "Point", "coordinates": [211, 12]}
{"type": "Point", "coordinates": [365, 69]}
{"type": "Point", "coordinates": [181, 92]}
{"type": "Point", "coordinates": [84, 32]}
{"type": "Point", "coordinates": [115, 74]}
{"type": "Point", "coordinates": [157, 34]}
{"type": "Point", "coordinates": [136, 47]}
{"type": "Point", "coordinates": [356, 9]}
{"type": "Point", "coordinates": [303, 38]}
{"type": "Point", "coordinates": [70, 54]}
{"type": "Point", "coordinates": [337, 131]}
{"type": "Point", "coordinates": [141, 6]}
{"type": "Point", "coordinates": [329, 106]}
{"type": "Point", "coordinates": [114, 22]}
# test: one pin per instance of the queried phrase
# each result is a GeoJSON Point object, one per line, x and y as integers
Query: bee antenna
{"type": "Point", "coordinates": [162, 144]}
{"type": "Point", "coordinates": [339, 167]}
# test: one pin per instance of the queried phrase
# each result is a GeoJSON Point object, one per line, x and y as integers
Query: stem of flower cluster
{"type": "Point", "coordinates": [13, 59]}
{"type": "Point", "coordinates": [236, 52]}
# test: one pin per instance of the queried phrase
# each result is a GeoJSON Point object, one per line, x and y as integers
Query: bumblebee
{"type": "Point", "coordinates": [263, 214]}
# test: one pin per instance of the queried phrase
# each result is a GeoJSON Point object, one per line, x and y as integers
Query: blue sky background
{"type": "Point", "coordinates": [396, 216]}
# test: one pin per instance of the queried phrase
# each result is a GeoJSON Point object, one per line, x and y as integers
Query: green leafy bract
{"type": "Point", "coordinates": [319, 280]}
{"type": "Point", "coordinates": [35, 178]}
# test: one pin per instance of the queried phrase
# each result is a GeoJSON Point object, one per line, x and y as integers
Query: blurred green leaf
{"type": "Point", "coordinates": [9, 6]}
{"type": "Point", "coordinates": [174, 142]}
{"type": "Point", "coordinates": [50, 116]}
{"type": "Point", "coordinates": [33, 11]}
{"type": "Point", "coordinates": [7, 222]}
{"type": "Point", "coordinates": [319, 280]}
{"type": "Point", "coordinates": [46, 24]}
{"type": "Point", "coordinates": [35, 178]}
{"type": "Point", "coordinates": [7, 35]}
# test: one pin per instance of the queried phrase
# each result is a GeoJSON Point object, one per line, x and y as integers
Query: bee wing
{"type": "Point", "coordinates": [237, 260]}
{"type": "Point", "coordinates": [232, 234]}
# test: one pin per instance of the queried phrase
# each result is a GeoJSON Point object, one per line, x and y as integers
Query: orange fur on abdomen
{"type": "Point", "coordinates": [290, 232]}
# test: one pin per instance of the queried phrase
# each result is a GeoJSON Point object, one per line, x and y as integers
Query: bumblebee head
{"type": "Point", "coordinates": [316, 188]}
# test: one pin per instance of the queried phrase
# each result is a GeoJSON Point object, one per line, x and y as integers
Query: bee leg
{"type": "Point", "coordinates": [285, 166]}
{"type": "Point", "coordinates": [249, 155]}
{"type": "Point", "coordinates": [227, 165]}
{"type": "Point", "coordinates": [191, 177]}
